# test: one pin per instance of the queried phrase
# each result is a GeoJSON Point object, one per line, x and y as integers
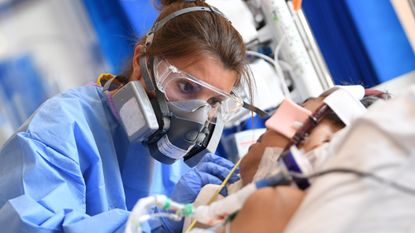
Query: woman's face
{"type": "Point", "coordinates": [203, 67]}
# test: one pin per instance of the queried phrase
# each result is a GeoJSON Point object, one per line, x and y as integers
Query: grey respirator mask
{"type": "Point", "coordinates": [172, 122]}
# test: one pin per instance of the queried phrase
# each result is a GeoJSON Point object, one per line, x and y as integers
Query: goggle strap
{"type": "Point", "coordinates": [256, 110]}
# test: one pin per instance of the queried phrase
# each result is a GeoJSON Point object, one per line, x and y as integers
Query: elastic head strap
{"type": "Point", "coordinates": [162, 22]}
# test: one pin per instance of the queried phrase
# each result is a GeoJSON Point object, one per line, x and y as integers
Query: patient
{"type": "Point", "coordinates": [286, 199]}
{"type": "Point", "coordinates": [320, 135]}
{"type": "Point", "coordinates": [271, 209]}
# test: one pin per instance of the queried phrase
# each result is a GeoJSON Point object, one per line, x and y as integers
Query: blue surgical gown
{"type": "Point", "coordinates": [71, 168]}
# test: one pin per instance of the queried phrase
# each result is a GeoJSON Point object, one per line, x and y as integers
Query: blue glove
{"type": "Point", "coordinates": [212, 169]}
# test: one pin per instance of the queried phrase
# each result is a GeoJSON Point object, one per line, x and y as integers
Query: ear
{"type": "Point", "coordinates": [136, 74]}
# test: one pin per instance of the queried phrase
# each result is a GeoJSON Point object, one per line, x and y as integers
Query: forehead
{"type": "Point", "coordinates": [207, 69]}
{"type": "Point", "coordinates": [313, 103]}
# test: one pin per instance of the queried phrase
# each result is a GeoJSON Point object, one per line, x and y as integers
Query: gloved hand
{"type": "Point", "coordinates": [211, 169]}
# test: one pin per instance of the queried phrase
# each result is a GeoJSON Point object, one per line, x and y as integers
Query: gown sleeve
{"type": "Point", "coordinates": [44, 191]}
{"type": "Point", "coordinates": [59, 173]}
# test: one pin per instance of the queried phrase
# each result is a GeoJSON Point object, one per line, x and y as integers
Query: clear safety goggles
{"type": "Point", "coordinates": [179, 86]}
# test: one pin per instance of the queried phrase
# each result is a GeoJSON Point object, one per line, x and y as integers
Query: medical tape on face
{"type": "Point", "coordinates": [346, 104]}
{"type": "Point", "coordinates": [288, 118]}
{"type": "Point", "coordinates": [357, 91]}
{"type": "Point", "coordinates": [268, 165]}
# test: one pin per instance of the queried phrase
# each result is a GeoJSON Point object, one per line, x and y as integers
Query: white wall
{"type": "Point", "coordinates": [59, 37]}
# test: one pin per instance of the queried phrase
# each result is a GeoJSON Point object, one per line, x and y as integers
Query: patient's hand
{"type": "Point", "coordinates": [267, 210]}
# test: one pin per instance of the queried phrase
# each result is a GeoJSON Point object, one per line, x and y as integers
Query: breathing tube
{"type": "Point", "coordinates": [206, 214]}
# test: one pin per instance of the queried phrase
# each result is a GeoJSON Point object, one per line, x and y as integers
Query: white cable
{"type": "Point", "coordinates": [260, 55]}
{"type": "Point", "coordinates": [278, 68]}
{"type": "Point", "coordinates": [139, 210]}
{"type": "Point", "coordinates": [285, 65]}
{"type": "Point", "coordinates": [147, 217]}
{"type": "Point", "coordinates": [139, 214]}
{"type": "Point", "coordinates": [215, 212]}
{"type": "Point", "coordinates": [275, 64]}
{"type": "Point", "coordinates": [278, 47]}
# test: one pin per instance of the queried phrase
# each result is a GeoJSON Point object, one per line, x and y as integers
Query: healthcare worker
{"type": "Point", "coordinates": [85, 157]}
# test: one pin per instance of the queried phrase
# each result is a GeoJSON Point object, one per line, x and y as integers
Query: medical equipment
{"type": "Point", "coordinates": [268, 165]}
{"type": "Point", "coordinates": [179, 87]}
{"type": "Point", "coordinates": [283, 39]}
{"type": "Point", "coordinates": [219, 211]}
{"type": "Point", "coordinates": [309, 75]}
{"type": "Point", "coordinates": [214, 213]}
{"type": "Point", "coordinates": [139, 212]}
{"type": "Point", "coordinates": [172, 125]}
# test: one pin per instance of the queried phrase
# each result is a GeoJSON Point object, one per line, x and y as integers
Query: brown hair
{"type": "Point", "coordinates": [199, 34]}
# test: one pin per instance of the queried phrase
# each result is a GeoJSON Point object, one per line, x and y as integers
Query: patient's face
{"type": "Point", "coordinates": [323, 132]}
{"type": "Point", "coordinates": [320, 134]}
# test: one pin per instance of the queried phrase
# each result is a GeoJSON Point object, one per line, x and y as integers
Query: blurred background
{"type": "Point", "coordinates": [48, 46]}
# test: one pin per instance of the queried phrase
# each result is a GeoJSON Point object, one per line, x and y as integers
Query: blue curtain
{"type": "Point", "coordinates": [118, 25]}
{"type": "Point", "coordinates": [362, 42]}
{"type": "Point", "coordinates": [22, 86]}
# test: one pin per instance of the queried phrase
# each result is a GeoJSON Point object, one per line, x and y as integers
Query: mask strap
{"type": "Point", "coordinates": [159, 103]}
{"type": "Point", "coordinates": [145, 72]}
